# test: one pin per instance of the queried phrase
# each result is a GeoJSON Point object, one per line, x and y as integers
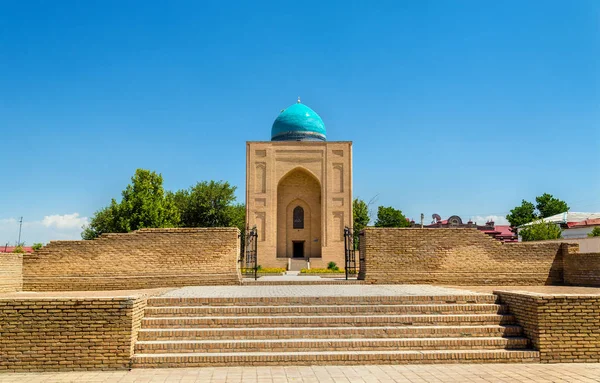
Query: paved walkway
{"type": "Point", "coordinates": [569, 373]}
{"type": "Point", "coordinates": [314, 291]}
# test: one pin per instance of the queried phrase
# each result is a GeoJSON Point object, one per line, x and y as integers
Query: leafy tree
{"type": "Point", "coordinates": [37, 246]}
{"type": "Point", "coordinates": [521, 215]}
{"type": "Point", "coordinates": [360, 212]}
{"type": "Point", "coordinates": [390, 217]}
{"type": "Point", "coordinates": [547, 205]}
{"type": "Point", "coordinates": [209, 204]}
{"type": "Point", "coordinates": [103, 221]}
{"type": "Point", "coordinates": [144, 204]}
{"type": "Point", "coordinates": [540, 231]}
{"type": "Point", "coordinates": [595, 232]}
{"type": "Point", "coordinates": [237, 214]}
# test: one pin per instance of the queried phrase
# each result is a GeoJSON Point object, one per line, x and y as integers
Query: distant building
{"type": "Point", "coordinates": [572, 224]}
{"type": "Point", "coordinates": [502, 233]}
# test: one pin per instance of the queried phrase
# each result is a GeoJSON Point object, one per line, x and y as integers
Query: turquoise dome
{"type": "Point", "coordinates": [298, 122]}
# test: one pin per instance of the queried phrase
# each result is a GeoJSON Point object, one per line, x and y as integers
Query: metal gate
{"type": "Point", "coordinates": [350, 247]}
{"type": "Point", "coordinates": [249, 259]}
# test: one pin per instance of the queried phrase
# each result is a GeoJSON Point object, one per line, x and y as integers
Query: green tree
{"type": "Point", "coordinates": [237, 215]}
{"type": "Point", "coordinates": [144, 204]}
{"type": "Point", "coordinates": [209, 204]}
{"type": "Point", "coordinates": [360, 213]}
{"type": "Point", "coordinates": [595, 232]}
{"type": "Point", "coordinates": [521, 215]}
{"type": "Point", "coordinates": [540, 231]}
{"type": "Point", "coordinates": [547, 205]}
{"type": "Point", "coordinates": [390, 217]}
{"type": "Point", "coordinates": [103, 221]}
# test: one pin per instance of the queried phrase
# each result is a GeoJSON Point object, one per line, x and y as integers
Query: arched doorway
{"type": "Point", "coordinates": [299, 215]}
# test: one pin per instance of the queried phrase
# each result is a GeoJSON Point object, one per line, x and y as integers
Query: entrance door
{"type": "Point", "coordinates": [298, 249]}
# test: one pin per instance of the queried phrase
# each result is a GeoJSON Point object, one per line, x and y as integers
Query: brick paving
{"type": "Point", "coordinates": [578, 372]}
{"type": "Point", "coordinates": [313, 291]}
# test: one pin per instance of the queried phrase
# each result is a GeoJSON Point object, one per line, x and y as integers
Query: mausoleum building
{"type": "Point", "coordinates": [299, 192]}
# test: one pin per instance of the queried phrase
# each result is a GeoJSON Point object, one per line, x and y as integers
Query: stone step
{"type": "Point", "coordinates": [297, 345]}
{"type": "Point", "coordinates": [332, 358]}
{"type": "Point", "coordinates": [330, 332]}
{"type": "Point", "coordinates": [181, 311]}
{"type": "Point", "coordinates": [324, 320]}
{"type": "Point", "coordinates": [322, 300]}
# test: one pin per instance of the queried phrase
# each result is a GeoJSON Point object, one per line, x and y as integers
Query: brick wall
{"type": "Point", "coordinates": [458, 257]}
{"type": "Point", "coordinates": [582, 269]}
{"type": "Point", "coordinates": [146, 258]}
{"type": "Point", "coordinates": [38, 334]}
{"type": "Point", "coordinates": [11, 272]}
{"type": "Point", "coordinates": [564, 328]}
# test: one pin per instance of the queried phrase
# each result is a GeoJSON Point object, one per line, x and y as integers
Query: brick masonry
{"type": "Point", "coordinates": [457, 257]}
{"type": "Point", "coordinates": [38, 334]}
{"type": "Point", "coordinates": [563, 327]}
{"type": "Point", "coordinates": [582, 269]}
{"type": "Point", "coordinates": [11, 272]}
{"type": "Point", "coordinates": [146, 258]}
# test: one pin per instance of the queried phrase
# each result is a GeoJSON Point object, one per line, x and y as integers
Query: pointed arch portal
{"type": "Point", "coordinates": [299, 215]}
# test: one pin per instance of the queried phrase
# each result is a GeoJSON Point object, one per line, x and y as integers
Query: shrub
{"type": "Point", "coordinates": [540, 231]}
{"type": "Point", "coordinates": [37, 246]}
{"type": "Point", "coordinates": [595, 232]}
{"type": "Point", "coordinates": [332, 266]}
{"type": "Point", "coordinates": [19, 249]}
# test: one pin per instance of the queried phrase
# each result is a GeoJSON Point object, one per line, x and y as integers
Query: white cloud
{"type": "Point", "coordinates": [498, 219]}
{"type": "Point", "coordinates": [66, 221]}
{"type": "Point", "coordinates": [51, 227]}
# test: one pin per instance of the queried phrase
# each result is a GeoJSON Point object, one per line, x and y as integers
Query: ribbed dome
{"type": "Point", "coordinates": [298, 122]}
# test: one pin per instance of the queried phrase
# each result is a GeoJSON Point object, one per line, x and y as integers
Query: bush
{"type": "Point", "coordinates": [332, 266]}
{"type": "Point", "coordinates": [595, 232]}
{"type": "Point", "coordinates": [37, 246]}
{"type": "Point", "coordinates": [19, 249]}
{"type": "Point", "coordinates": [540, 231]}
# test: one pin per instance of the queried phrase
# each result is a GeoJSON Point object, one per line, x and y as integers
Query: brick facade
{"type": "Point", "coordinates": [582, 269]}
{"type": "Point", "coordinates": [314, 175]}
{"type": "Point", "coordinates": [146, 258]}
{"type": "Point", "coordinates": [563, 327]}
{"type": "Point", "coordinates": [38, 334]}
{"type": "Point", "coordinates": [457, 257]}
{"type": "Point", "coordinates": [11, 272]}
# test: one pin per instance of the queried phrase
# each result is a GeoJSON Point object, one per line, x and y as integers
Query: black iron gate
{"type": "Point", "coordinates": [350, 247]}
{"type": "Point", "coordinates": [248, 258]}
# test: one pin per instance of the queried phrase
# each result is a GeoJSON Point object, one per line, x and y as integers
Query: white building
{"type": "Point", "coordinates": [573, 224]}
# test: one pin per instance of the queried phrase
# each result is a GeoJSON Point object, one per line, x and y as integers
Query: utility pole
{"type": "Point", "coordinates": [20, 226]}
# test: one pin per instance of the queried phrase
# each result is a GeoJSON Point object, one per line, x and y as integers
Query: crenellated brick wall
{"type": "Point", "coordinates": [582, 269]}
{"type": "Point", "coordinates": [62, 333]}
{"type": "Point", "coordinates": [146, 258]}
{"type": "Point", "coordinates": [456, 256]}
{"type": "Point", "coordinates": [11, 272]}
{"type": "Point", "coordinates": [563, 327]}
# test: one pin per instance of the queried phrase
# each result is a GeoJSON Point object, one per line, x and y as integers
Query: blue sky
{"type": "Point", "coordinates": [454, 107]}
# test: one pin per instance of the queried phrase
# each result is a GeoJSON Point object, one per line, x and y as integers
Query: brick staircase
{"type": "Point", "coordinates": [194, 332]}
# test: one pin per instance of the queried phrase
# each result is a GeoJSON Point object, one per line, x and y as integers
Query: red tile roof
{"type": "Point", "coordinates": [584, 223]}
{"type": "Point", "coordinates": [10, 249]}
